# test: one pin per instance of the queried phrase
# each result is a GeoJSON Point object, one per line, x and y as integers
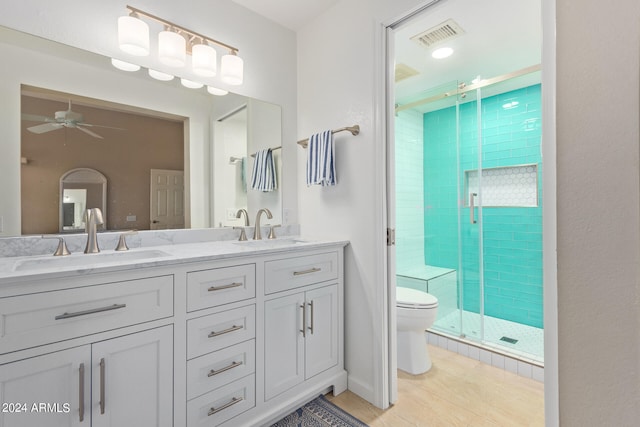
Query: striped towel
{"type": "Point", "coordinates": [321, 169]}
{"type": "Point", "coordinates": [263, 177]}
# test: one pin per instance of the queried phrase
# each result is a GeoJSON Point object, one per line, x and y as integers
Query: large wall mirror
{"type": "Point", "coordinates": [137, 125]}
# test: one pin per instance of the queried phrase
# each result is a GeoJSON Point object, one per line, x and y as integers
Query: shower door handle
{"type": "Point", "coordinates": [472, 207]}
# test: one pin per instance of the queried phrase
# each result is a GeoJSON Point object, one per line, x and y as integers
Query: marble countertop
{"type": "Point", "coordinates": [21, 268]}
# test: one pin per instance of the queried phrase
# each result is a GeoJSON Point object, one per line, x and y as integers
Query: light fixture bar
{"type": "Point", "coordinates": [170, 24]}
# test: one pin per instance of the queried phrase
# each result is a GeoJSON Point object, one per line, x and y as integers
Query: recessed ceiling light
{"type": "Point", "coordinates": [443, 52]}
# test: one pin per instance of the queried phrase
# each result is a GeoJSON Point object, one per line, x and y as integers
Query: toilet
{"type": "Point", "coordinates": [416, 312]}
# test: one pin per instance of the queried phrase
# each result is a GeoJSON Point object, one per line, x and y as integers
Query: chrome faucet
{"type": "Point", "coordinates": [243, 235]}
{"type": "Point", "coordinates": [246, 216]}
{"type": "Point", "coordinates": [92, 218]}
{"type": "Point", "coordinates": [256, 229]}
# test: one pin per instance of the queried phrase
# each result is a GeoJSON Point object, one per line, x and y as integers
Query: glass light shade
{"type": "Point", "coordinates": [232, 69]}
{"type": "Point", "coordinates": [172, 48]}
{"type": "Point", "coordinates": [191, 84]}
{"type": "Point", "coordinates": [124, 66]}
{"type": "Point", "coordinates": [133, 36]}
{"type": "Point", "coordinates": [160, 76]}
{"type": "Point", "coordinates": [203, 60]}
{"type": "Point", "coordinates": [215, 91]}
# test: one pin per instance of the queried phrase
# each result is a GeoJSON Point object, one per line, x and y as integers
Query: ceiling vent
{"type": "Point", "coordinates": [446, 31]}
{"type": "Point", "coordinates": [403, 71]}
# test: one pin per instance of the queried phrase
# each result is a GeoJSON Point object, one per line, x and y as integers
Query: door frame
{"type": "Point", "coordinates": [550, 287]}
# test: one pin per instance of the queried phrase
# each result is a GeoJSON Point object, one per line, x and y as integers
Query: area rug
{"type": "Point", "coordinates": [319, 413]}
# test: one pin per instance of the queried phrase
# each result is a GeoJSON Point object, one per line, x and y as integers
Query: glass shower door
{"type": "Point", "coordinates": [469, 176]}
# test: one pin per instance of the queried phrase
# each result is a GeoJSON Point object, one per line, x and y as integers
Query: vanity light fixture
{"type": "Point", "coordinates": [232, 69]}
{"type": "Point", "coordinates": [124, 66]}
{"type": "Point", "coordinates": [191, 84]}
{"type": "Point", "coordinates": [172, 48]}
{"type": "Point", "coordinates": [215, 91]}
{"type": "Point", "coordinates": [158, 75]}
{"type": "Point", "coordinates": [133, 35]}
{"type": "Point", "coordinates": [175, 43]}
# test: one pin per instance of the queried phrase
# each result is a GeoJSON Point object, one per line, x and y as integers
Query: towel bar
{"type": "Point", "coordinates": [355, 129]}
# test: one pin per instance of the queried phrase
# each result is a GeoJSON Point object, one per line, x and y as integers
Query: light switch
{"type": "Point", "coordinates": [132, 218]}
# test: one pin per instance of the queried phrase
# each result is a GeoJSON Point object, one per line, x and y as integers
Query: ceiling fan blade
{"type": "Point", "coordinates": [46, 127]}
{"type": "Point", "coordinates": [99, 126]}
{"type": "Point", "coordinates": [87, 131]}
{"type": "Point", "coordinates": [37, 118]}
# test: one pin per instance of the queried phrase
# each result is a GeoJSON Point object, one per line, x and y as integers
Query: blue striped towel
{"type": "Point", "coordinates": [321, 169]}
{"type": "Point", "coordinates": [263, 177]}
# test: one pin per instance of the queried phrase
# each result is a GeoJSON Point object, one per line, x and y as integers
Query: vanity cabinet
{"type": "Point", "coordinates": [301, 337]}
{"type": "Point", "coordinates": [117, 382]}
{"type": "Point", "coordinates": [239, 339]}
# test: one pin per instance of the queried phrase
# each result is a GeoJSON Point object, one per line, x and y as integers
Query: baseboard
{"type": "Point", "coordinates": [358, 387]}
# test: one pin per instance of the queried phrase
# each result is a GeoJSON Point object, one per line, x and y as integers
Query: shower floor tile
{"type": "Point", "coordinates": [530, 340]}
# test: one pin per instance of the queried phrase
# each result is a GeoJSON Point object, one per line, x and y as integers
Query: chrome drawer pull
{"type": "Point", "coordinates": [81, 392]}
{"type": "Point", "coordinates": [225, 406]}
{"type": "Point", "coordinates": [311, 270]}
{"type": "Point", "coordinates": [219, 288]}
{"type": "Point", "coordinates": [102, 388]}
{"type": "Point", "coordinates": [226, 368]}
{"type": "Point", "coordinates": [226, 331]}
{"type": "Point", "coordinates": [303, 306]}
{"type": "Point", "coordinates": [92, 311]}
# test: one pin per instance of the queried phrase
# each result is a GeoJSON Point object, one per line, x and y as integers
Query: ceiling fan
{"type": "Point", "coordinates": [67, 119]}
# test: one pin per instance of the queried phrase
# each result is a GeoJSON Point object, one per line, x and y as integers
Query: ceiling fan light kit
{"type": "Point", "coordinates": [174, 44]}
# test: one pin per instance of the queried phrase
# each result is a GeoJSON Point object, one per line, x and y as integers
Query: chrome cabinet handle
{"type": "Point", "coordinates": [92, 311]}
{"type": "Point", "coordinates": [311, 270]}
{"type": "Point", "coordinates": [472, 207]}
{"type": "Point", "coordinates": [225, 331]}
{"type": "Point", "coordinates": [219, 288]}
{"type": "Point", "coordinates": [102, 369]}
{"type": "Point", "coordinates": [311, 327]}
{"type": "Point", "coordinates": [303, 306]}
{"type": "Point", "coordinates": [221, 370]}
{"type": "Point", "coordinates": [225, 406]}
{"type": "Point", "coordinates": [81, 391]}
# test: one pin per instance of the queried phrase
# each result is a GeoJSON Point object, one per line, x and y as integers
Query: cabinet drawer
{"type": "Point", "coordinates": [213, 370]}
{"type": "Point", "coordinates": [294, 272]}
{"type": "Point", "coordinates": [220, 405]}
{"type": "Point", "coordinates": [217, 286]}
{"type": "Point", "coordinates": [217, 331]}
{"type": "Point", "coordinates": [36, 319]}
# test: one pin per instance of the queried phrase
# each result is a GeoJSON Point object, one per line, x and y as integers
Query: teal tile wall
{"type": "Point", "coordinates": [512, 236]}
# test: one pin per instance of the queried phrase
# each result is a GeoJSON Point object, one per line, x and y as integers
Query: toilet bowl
{"type": "Point", "coordinates": [416, 312]}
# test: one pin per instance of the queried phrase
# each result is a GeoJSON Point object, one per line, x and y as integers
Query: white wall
{"type": "Point", "coordinates": [598, 69]}
{"type": "Point", "coordinates": [268, 51]}
{"type": "Point", "coordinates": [598, 218]}
{"type": "Point", "coordinates": [340, 79]}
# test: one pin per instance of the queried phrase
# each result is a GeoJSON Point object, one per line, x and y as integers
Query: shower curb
{"type": "Point", "coordinates": [508, 362]}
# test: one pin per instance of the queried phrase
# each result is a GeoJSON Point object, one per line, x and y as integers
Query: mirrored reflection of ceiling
{"type": "Point", "coordinates": [489, 38]}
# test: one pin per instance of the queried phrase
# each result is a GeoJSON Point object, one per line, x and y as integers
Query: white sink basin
{"type": "Point", "coordinates": [85, 260]}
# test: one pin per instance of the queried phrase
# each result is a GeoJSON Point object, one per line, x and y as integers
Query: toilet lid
{"type": "Point", "coordinates": [412, 298]}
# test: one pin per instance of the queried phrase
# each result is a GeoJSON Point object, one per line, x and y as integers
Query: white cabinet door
{"type": "Point", "coordinates": [321, 343]}
{"type": "Point", "coordinates": [132, 380]}
{"type": "Point", "coordinates": [52, 390]}
{"type": "Point", "coordinates": [284, 344]}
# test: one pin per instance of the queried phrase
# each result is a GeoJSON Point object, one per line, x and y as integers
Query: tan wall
{"type": "Point", "coordinates": [125, 157]}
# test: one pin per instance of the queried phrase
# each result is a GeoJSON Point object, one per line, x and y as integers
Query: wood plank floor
{"type": "Point", "coordinates": [457, 391]}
